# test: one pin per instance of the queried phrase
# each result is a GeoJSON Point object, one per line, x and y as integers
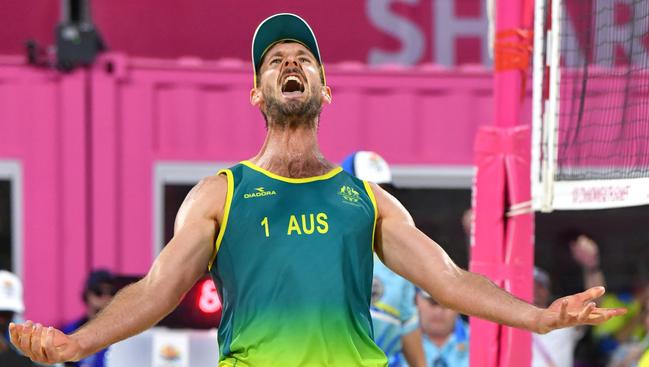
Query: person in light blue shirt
{"type": "Point", "coordinates": [445, 334]}
{"type": "Point", "coordinates": [394, 314]}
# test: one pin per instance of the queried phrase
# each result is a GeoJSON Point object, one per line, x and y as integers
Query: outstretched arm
{"type": "Point", "coordinates": [410, 253]}
{"type": "Point", "coordinates": [144, 303]}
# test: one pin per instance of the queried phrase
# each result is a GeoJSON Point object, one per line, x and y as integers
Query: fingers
{"type": "Point", "coordinates": [617, 311]}
{"type": "Point", "coordinates": [34, 341]}
{"type": "Point", "coordinates": [590, 294]}
{"type": "Point", "coordinates": [563, 313]}
{"type": "Point", "coordinates": [14, 331]}
{"type": "Point", "coordinates": [598, 316]}
{"type": "Point", "coordinates": [48, 345]}
{"type": "Point", "coordinates": [24, 338]}
{"type": "Point", "coordinates": [607, 313]}
{"type": "Point", "coordinates": [584, 315]}
{"type": "Point", "coordinates": [36, 351]}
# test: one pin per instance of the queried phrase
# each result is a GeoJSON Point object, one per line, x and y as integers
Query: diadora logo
{"type": "Point", "coordinates": [259, 192]}
{"type": "Point", "coordinates": [349, 195]}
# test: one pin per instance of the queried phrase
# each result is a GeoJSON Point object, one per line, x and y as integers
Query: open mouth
{"type": "Point", "coordinates": [292, 86]}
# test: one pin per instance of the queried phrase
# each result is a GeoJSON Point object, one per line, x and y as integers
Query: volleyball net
{"type": "Point", "coordinates": [590, 104]}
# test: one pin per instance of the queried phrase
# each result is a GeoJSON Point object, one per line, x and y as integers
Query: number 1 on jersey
{"type": "Point", "coordinates": [264, 223]}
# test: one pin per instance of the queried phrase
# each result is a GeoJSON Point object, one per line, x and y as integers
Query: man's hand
{"type": "Point", "coordinates": [574, 310]}
{"type": "Point", "coordinates": [44, 345]}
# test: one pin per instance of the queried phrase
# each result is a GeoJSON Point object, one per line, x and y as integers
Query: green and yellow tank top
{"type": "Point", "coordinates": [293, 265]}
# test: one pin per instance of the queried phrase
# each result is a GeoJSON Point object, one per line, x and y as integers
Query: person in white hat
{"type": "Point", "coordinates": [11, 303]}
{"type": "Point", "coordinates": [290, 239]}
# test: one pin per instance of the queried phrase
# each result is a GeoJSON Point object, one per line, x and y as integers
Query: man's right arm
{"type": "Point", "coordinates": [144, 303]}
{"type": "Point", "coordinates": [413, 255]}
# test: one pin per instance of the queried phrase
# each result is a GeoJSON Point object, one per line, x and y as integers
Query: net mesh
{"type": "Point", "coordinates": [603, 103]}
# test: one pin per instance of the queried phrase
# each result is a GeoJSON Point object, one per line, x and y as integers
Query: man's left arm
{"type": "Point", "coordinates": [410, 253]}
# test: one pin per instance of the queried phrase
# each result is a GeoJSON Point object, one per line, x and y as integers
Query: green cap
{"type": "Point", "coordinates": [278, 28]}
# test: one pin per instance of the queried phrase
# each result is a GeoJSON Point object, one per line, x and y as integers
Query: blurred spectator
{"type": "Point", "coordinates": [11, 303]}
{"type": "Point", "coordinates": [445, 334]}
{"type": "Point", "coordinates": [635, 353]}
{"type": "Point", "coordinates": [629, 327]}
{"type": "Point", "coordinates": [556, 348]}
{"type": "Point", "coordinates": [97, 294]}
{"type": "Point", "coordinates": [394, 315]}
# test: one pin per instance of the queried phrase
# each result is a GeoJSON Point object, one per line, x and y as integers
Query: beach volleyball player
{"type": "Point", "coordinates": [289, 239]}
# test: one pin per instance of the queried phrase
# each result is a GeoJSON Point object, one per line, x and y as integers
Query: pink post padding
{"type": "Point", "coordinates": [502, 247]}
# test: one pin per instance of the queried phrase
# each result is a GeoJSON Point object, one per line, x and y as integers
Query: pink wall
{"type": "Point", "coordinates": [43, 125]}
{"type": "Point", "coordinates": [88, 143]}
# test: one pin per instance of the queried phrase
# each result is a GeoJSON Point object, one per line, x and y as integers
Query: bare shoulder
{"type": "Point", "coordinates": [210, 192]}
{"type": "Point", "coordinates": [388, 206]}
{"type": "Point", "coordinates": [212, 184]}
{"type": "Point", "coordinates": [206, 200]}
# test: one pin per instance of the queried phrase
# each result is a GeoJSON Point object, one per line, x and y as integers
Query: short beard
{"type": "Point", "coordinates": [293, 113]}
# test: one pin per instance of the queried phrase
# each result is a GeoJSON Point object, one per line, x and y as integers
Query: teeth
{"type": "Point", "coordinates": [291, 77]}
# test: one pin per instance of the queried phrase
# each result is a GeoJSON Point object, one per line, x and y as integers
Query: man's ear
{"type": "Point", "coordinates": [326, 94]}
{"type": "Point", "coordinates": [256, 97]}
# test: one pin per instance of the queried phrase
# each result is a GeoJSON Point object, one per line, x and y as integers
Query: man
{"type": "Point", "coordinates": [446, 335]}
{"type": "Point", "coordinates": [394, 315]}
{"type": "Point", "coordinates": [289, 240]}
{"type": "Point", "coordinates": [97, 294]}
{"type": "Point", "coordinates": [11, 303]}
{"type": "Point", "coordinates": [557, 348]}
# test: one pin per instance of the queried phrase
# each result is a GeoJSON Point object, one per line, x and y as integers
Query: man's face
{"type": "Point", "coordinates": [436, 320]}
{"type": "Point", "coordinates": [289, 89]}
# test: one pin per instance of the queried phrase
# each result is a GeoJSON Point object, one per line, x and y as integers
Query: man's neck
{"type": "Point", "coordinates": [292, 152]}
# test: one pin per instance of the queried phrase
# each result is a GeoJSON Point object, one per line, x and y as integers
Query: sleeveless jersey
{"type": "Point", "coordinates": [293, 265]}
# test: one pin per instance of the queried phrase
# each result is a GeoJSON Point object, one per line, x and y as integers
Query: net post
{"type": "Point", "coordinates": [538, 65]}
{"type": "Point", "coordinates": [551, 132]}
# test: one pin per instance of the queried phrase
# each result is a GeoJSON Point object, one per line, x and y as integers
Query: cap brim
{"type": "Point", "coordinates": [282, 27]}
